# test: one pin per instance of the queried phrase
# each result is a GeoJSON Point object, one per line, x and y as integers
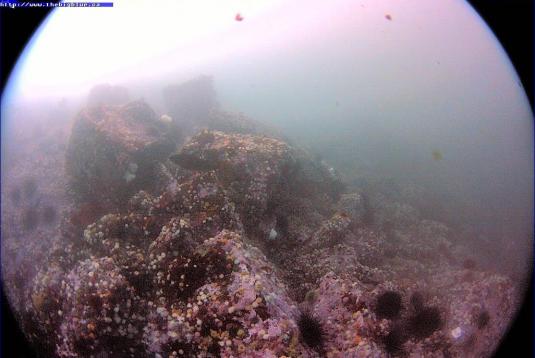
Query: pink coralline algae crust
{"type": "Point", "coordinates": [242, 234]}
{"type": "Point", "coordinates": [112, 152]}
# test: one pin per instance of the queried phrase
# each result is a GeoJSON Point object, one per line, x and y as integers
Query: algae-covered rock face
{"type": "Point", "coordinates": [242, 245]}
{"type": "Point", "coordinates": [113, 150]}
{"type": "Point", "coordinates": [266, 178]}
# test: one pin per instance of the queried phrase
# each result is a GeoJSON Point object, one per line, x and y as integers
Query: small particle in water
{"type": "Point", "coordinates": [437, 155]}
{"type": "Point", "coordinates": [166, 119]}
{"type": "Point", "coordinates": [132, 167]}
{"type": "Point", "coordinates": [456, 332]}
{"type": "Point", "coordinates": [238, 17]}
{"type": "Point", "coordinates": [388, 17]}
{"type": "Point", "coordinates": [130, 173]}
{"type": "Point", "coordinates": [129, 177]}
{"type": "Point", "coordinates": [273, 234]}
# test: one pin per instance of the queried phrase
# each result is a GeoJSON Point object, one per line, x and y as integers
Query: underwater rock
{"type": "Point", "coordinates": [358, 207]}
{"type": "Point", "coordinates": [49, 214]}
{"type": "Point", "coordinates": [238, 123]}
{"type": "Point", "coordinates": [234, 123]}
{"type": "Point", "coordinates": [332, 231]}
{"type": "Point", "coordinates": [351, 326]}
{"type": "Point", "coordinates": [215, 259]}
{"type": "Point", "coordinates": [30, 219]}
{"type": "Point", "coordinates": [202, 204]}
{"type": "Point", "coordinates": [263, 176]}
{"type": "Point", "coordinates": [243, 310]}
{"type": "Point", "coordinates": [43, 318]}
{"type": "Point", "coordinates": [112, 152]}
{"type": "Point", "coordinates": [354, 328]}
{"type": "Point", "coordinates": [190, 103]}
{"type": "Point", "coordinates": [100, 312]}
{"type": "Point", "coordinates": [398, 214]}
{"type": "Point", "coordinates": [193, 106]}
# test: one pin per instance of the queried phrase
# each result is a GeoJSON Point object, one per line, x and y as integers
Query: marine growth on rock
{"type": "Point", "coordinates": [238, 244]}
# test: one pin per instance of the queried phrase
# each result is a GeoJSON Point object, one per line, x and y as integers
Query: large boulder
{"type": "Point", "coordinates": [192, 106]}
{"type": "Point", "coordinates": [231, 122]}
{"type": "Point", "coordinates": [267, 179]}
{"type": "Point", "coordinates": [112, 152]}
{"type": "Point", "coordinates": [190, 103]}
{"type": "Point", "coordinates": [99, 312]}
{"type": "Point", "coordinates": [227, 302]}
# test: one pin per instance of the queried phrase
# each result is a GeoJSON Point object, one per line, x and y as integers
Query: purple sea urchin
{"type": "Point", "coordinates": [425, 322]}
{"type": "Point", "coordinates": [311, 330]}
{"type": "Point", "coordinates": [417, 301]}
{"type": "Point", "coordinates": [388, 305]}
{"type": "Point", "coordinates": [394, 341]}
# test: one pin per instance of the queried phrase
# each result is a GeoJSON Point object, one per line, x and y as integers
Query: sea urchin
{"type": "Point", "coordinates": [425, 322]}
{"type": "Point", "coordinates": [311, 330]}
{"type": "Point", "coordinates": [388, 305]}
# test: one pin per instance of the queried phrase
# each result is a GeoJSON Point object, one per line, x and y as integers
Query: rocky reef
{"type": "Point", "coordinates": [112, 152]}
{"type": "Point", "coordinates": [192, 106]}
{"type": "Point", "coordinates": [240, 244]}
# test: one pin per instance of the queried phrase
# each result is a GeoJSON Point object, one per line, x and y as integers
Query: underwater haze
{"type": "Point", "coordinates": [266, 179]}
